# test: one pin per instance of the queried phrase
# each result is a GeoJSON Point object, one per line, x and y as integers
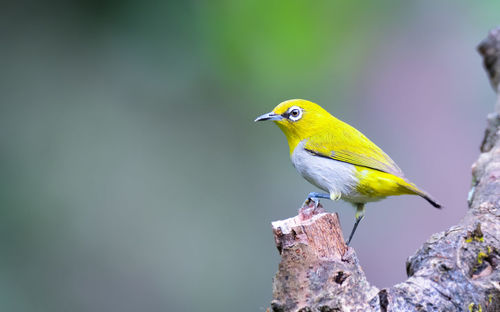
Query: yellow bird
{"type": "Point", "coordinates": [339, 159]}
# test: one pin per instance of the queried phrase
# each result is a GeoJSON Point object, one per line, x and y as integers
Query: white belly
{"type": "Point", "coordinates": [336, 177]}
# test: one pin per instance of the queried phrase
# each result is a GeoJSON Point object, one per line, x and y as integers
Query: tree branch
{"type": "Point", "coordinates": [455, 270]}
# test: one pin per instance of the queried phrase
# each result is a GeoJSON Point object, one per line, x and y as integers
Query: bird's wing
{"type": "Point", "coordinates": [351, 146]}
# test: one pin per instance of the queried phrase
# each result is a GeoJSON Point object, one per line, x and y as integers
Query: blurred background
{"type": "Point", "coordinates": [134, 178]}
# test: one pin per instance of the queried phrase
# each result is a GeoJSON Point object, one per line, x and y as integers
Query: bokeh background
{"type": "Point", "coordinates": [134, 179]}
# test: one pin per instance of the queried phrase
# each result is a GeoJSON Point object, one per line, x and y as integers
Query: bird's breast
{"type": "Point", "coordinates": [328, 174]}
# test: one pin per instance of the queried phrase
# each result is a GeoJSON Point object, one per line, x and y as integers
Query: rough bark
{"type": "Point", "coordinates": [455, 270]}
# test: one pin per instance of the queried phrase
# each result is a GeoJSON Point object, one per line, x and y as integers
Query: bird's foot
{"type": "Point", "coordinates": [310, 208]}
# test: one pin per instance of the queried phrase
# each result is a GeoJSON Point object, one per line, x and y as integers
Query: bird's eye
{"type": "Point", "coordinates": [295, 113]}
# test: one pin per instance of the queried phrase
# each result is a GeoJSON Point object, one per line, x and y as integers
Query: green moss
{"type": "Point", "coordinates": [475, 308]}
{"type": "Point", "coordinates": [480, 256]}
{"type": "Point", "coordinates": [475, 238]}
{"type": "Point", "coordinates": [476, 235]}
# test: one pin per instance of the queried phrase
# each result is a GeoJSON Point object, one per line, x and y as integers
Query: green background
{"type": "Point", "coordinates": [134, 179]}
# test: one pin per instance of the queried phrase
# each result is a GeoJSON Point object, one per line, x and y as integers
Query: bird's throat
{"type": "Point", "coordinates": [291, 136]}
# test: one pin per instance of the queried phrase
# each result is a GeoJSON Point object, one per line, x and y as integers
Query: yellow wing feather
{"type": "Point", "coordinates": [351, 146]}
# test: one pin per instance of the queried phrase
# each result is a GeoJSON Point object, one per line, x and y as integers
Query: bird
{"type": "Point", "coordinates": [339, 159]}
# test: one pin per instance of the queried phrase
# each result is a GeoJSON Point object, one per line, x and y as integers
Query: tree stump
{"type": "Point", "coordinates": [455, 270]}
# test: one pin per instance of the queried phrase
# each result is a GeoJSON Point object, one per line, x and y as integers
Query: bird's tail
{"type": "Point", "coordinates": [431, 200]}
{"type": "Point", "coordinates": [415, 190]}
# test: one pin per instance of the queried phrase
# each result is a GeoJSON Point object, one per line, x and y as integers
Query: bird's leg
{"type": "Point", "coordinates": [307, 210]}
{"type": "Point", "coordinates": [360, 214]}
{"type": "Point", "coordinates": [314, 197]}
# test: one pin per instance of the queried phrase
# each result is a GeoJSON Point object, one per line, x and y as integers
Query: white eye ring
{"type": "Point", "coordinates": [294, 113]}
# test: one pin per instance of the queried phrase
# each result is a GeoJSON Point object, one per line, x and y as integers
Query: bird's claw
{"type": "Point", "coordinates": [309, 200]}
{"type": "Point", "coordinates": [310, 208]}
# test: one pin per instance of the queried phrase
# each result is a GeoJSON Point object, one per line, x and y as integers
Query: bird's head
{"type": "Point", "coordinates": [298, 119]}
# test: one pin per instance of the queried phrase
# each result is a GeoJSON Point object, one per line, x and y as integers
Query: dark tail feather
{"type": "Point", "coordinates": [431, 201]}
{"type": "Point", "coordinates": [415, 190]}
